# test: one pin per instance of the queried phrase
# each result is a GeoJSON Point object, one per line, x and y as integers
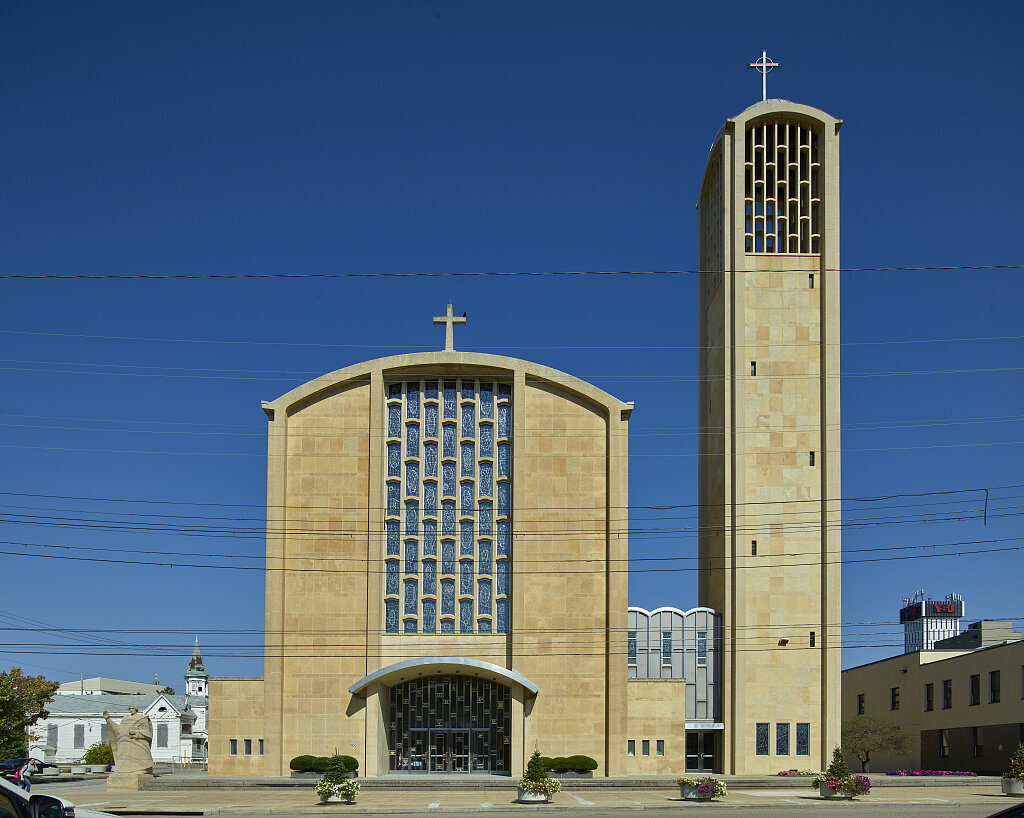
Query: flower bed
{"type": "Point", "coordinates": [702, 789]}
{"type": "Point", "coordinates": [932, 772]}
{"type": "Point", "coordinates": [797, 772]}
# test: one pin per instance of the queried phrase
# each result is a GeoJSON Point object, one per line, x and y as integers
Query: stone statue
{"type": "Point", "coordinates": [130, 740]}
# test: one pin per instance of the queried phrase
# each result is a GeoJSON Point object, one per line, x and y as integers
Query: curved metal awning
{"type": "Point", "coordinates": [428, 665]}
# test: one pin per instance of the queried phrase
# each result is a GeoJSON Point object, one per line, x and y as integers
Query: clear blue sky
{"type": "Point", "coordinates": [422, 137]}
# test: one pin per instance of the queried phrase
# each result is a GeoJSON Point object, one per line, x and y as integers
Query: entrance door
{"type": "Point", "coordinates": [449, 751]}
{"type": "Point", "coordinates": [700, 751]}
{"type": "Point", "coordinates": [458, 741]}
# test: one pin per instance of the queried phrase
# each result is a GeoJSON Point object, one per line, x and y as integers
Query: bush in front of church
{"type": "Point", "coordinates": [99, 754]}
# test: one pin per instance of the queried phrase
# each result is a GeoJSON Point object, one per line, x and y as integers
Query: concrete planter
{"type": "Point", "coordinates": [834, 795]}
{"type": "Point", "coordinates": [337, 799]}
{"type": "Point", "coordinates": [79, 769]}
{"type": "Point", "coordinates": [571, 774]}
{"type": "Point", "coordinates": [1013, 786]}
{"type": "Point", "coordinates": [688, 793]}
{"type": "Point", "coordinates": [97, 768]}
{"type": "Point", "coordinates": [526, 797]}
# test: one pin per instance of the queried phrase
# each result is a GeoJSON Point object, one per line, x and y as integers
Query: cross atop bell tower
{"type": "Point", "coordinates": [449, 321]}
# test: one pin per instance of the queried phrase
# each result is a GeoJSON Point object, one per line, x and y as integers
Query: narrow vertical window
{"type": "Point", "coordinates": [753, 548]}
{"type": "Point", "coordinates": [702, 647]}
{"type": "Point", "coordinates": [645, 747]}
{"type": "Point", "coordinates": [810, 281]}
{"type": "Point", "coordinates": [894, 698]}
{"type": "Point", "coordinates": [247, 746]}
{"type": "Point", "coordinates": [261, 746]}
{"type": "Point", "coordinates": [631, 647]}
{"type": "Point", "coordinates": [860, 704]}
{"type": "Point", "coordinates": [661, 747]}
{"type": "Point", "coordinates": [666, 648]}
{"type": "Point", "coordinates": [803, 739]}
{"type": "Point", "coordinates": [947, 694]}
{"type": "Point", "coordinates": [994, 687]}
{"type": "Point", "coordinates": [631, 748]}
{"type": "Point", "coordinates": [979, 742]}
{"type": "Point", "coordinates": [753, 367]}
{"type": "Point", "coordinates": [929, 696]}
{"type": "Point", "coordinates": [812, 639]}
{"type": "Point", "coordinates": [782, 739]}
{"type": "Point", "coordinates": [761, 738]}
{"type": "Point", "coordinates": [943, 743]}
{"type": "Point", "coordinates": [810, 458]}
{"type": "Point", "coordinates": [975, 694]}
{"type": "Point", "coordinates": [233, 746]}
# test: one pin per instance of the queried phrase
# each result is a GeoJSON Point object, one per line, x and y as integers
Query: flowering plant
{"type": "Point", "coordinates": [798, 772]}
{"type": "Point", "coordinates": [547, 786]}
{"type": "Point", "coordinates": [931, 772]}
{"type": "Point", "coordinates": [1016, 768]}
{"type": "Point", "coordinates": [707, 787]}
{"type": "Point", "coordinates": [838, 778]}
{"type": "Point", "coordinates": [346, 789]}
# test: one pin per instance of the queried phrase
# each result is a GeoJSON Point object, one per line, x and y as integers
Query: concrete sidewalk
{"type": "Point", "coordinates": [373, 800]}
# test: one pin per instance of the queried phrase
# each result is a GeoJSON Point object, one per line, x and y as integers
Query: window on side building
{"type": "Point", "coordinates": [894, 698]}
{"type": "Point", "coordinates": [929, 696]}
{"type": "Point", "coordinates": [233, 747]}
{"type": "Point", "coordinates": [994, 687]}
{"type": "Point", "coordinates": [247, 746]}
{"type": "Point", "coordinates": [79, 736]}
{"type": "Point", "coordinates": [631, 748]}
{"type": "Point", "coordinates": [975, 696]}
{"type": "Point", "coordinates": [947, 694]}
{"type": "Point", "coordinates": [860, 704]}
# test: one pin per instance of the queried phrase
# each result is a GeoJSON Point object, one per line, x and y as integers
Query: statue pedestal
{"type": "Point", "coordinates": [127, 781]}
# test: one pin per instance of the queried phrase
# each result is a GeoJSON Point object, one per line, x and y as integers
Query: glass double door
{"type": "Point", "coordinates": [446, 751]}
{"type": "Point", "coordinates": [700, 751]}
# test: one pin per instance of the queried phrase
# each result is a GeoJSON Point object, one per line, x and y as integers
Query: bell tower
{"type": "Point", "coordinates": [769, 446]}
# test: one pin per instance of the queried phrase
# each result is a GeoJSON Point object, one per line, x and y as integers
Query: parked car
{"type": "Point", "coordinates": [15, 802]}
{"type": "Point", "coordinates": [12, 765]}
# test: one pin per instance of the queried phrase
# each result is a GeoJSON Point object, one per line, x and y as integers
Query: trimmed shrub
{"type": "Point", "coordinates": [99, 754]}
{"type": "Point", "coordinates": [581, 764]}
{"type": "Point", "coordinates": [560, 764]}
{"type": "Point", "coordinates": [546, 762]}
{"type": "Point", "coordinates": [302, 764]}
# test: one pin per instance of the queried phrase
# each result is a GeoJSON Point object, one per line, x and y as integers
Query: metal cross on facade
{"type": "Point", "coordinates": [449, 321]}
{"type": "Point", "coordinates": [763, 66]}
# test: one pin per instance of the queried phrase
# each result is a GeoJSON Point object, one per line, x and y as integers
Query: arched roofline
{"type": "Point", "coordinates": [672, 609]}
{"type": "Point", "coordinates": [458, 665]}
{"type": "Point", "coordinates": [445, 363]}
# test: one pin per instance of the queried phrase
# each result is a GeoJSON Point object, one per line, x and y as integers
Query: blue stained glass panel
{"type": "Point", "coordinates": [465, 616]}
{"type": "Point", "coordinates": [486, 440]}
{"type": "Point", "coordinates": [448, 517]}
{"type": "Point", "coordinates": [483, 626]}
{"type": "Point", "coordinates": [412, 517]}
{"type": "Point", "coordinates": [430, 460]}
{"type": "Point", "coordinates": [431, 390]}
{"type": "Point", "coordinates": [447, 597]}
{"type": "Point", "coordinates": [394, 390]}
{"type": "Point", "coordinates": [468, 459]}
{"type": "Point", "coordinates": [448, 479]}
{"type": "Point", "coordinates": [505, 390]}
{"type": "Point", "coordinates": [410, 625]}
{"type": "Point", "coordinates": [484, 557]}
{"type": "Point", "coordinates": [412, 440]}
{"type": "Point", "coordinates": [449, 399]}
{"type": "Point", "coordinates": [412, 400]}
{"type": "Point", "coordinates": [430, 420]}
{"type": "Point", "coordinates": [429, 577]}
{"type": "Point", "coordinates": [447, 626]}
{"type": "Point", "coordinates": [502, 624]}
{"type": "Point", "coordinates": [486, 479]}
{"type": "Point", "coordinates": [483, 593]}
{"type": "Point", "coordinates": [468, 420]}
{"type": "Point", "coordinates": [412, 479]}
{"type": "Point", "coordinates": [504, 420]}
{"type": "Point", "coordinates": [394, 460]}
{"type": "Point", "coordinates": [466, 538]}
{"type": "Point", "coordinates": [430, 538]}
{"type": "Point", "coordinates": [412, 557]}
{"type": "Point", "coordinates": [504, 499]}
{"type": "Point", "coordinates": [468, 389]}
{"type": "Point", "coordinates": [504, 576]}
{"type": "Point", "coordinates": [447, 556]}
{"type": "Point", "coordinates": [504, 538]}
{"type": "Point", "coordinates": [411, 596]}
{"type": "Point", "coordinates": [486, 519]}
{"type": "Point", "coordinates": [394, 420]}
{"type": "Point", "coordinates": [504, 460]}
{"type": "Point", "coordinates": [448, 440]}
{"type": "Point", "coordinates": [430, 498]}
{"type": "Point", "coordinates": [391, 526]}
{"type": "Point", "coordinates": [486, 400]}
{"type": "Point", "coordinates": [465, 577]}
{"type": "Point", "coordinates": [429, 616]}
{"type": "Point", "coordinates": [391, 615]}
{"type": "Point", "coordinates": [466, 496]}
{"type": "Point", "coordinates": [391, 577]}
{"type": "Point", "coordinates": [394, 498]}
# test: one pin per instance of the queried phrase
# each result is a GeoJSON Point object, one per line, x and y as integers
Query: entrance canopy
{"type": "Point", "coordinates": [434, 665]}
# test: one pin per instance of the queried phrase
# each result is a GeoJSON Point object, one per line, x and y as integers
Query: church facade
{"type": "Point", "coordinates": [447, 532]}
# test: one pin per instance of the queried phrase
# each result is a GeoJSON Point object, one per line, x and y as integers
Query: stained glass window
{"type": "Point", "coordinates": [447, 626]}
{"type": "Point", "coordinates": [449, 399]}
{"type": "Point", "coordinates": [430, 537]}
{"type": "Point", "coordinates": [468, 390]}
{"type": "Point", "coordinates": [391, 615]}
{"type": "Point", "coordinates": [430, 420]}
{"type": "Point", "coordinates": [466, 577]}
{"type": "Point", "coordinates": [448, 440]}
{"type": "Point", "coordinates": [410, 625]}
{"type": "Point", "coordinates": [395, 390]}
{"type": "Point", "coordinates": [394, 460]}
{"type": "Point", "coordinates": [504, 460]}
{"type": "Point", "coordinates": [483, 588]}
{"type": "Point", "coordinates": [466, 497]}
{"type": "Point", "coordinates": [430, 460]}
{"type": "Point", "coordinates": [486, 400]}
{"type": "Point", "coordinates": [803, 739]}
{"type": "Point", "coordinates": [466, 538]}
{"type": "Point", "coordinates": [483, 626]}
{"type": "Point", "coordinates": [411, 597]}
{"type": "Point", "coordinates": [412, 400]}
{"type": "Point", "coordinates": [430, 388]}
{"type": "Point", "coordinates": [761, 738]}
{"type": "Point", "coordinates": [782, 739]}
{"type": "Point", "coordinates": [448, 479]}
{"type": "Point", "coordinates": [505, 391]}
{"type": "Point", "coordinates": [465, 616]}
{"type": "Point", "coordinates": [412, 479]}
{"type": "Point", "coordinates": [447, 556]}
{"type": "Point", "coordinates": [394, 420]}
{"type": "Point", "coordinates": [504, 538]}
{"type": "Point", "coordinates": [394, 498]}
{"type": "Point", "coordinates": [429, 615]}
{"type": "Point", "coordinates": [429, 577]}
{"type": "Point", "coordinates": [468, 420]}
{"type": "Point", "coordinates": [504, 571]}
{"type": "Point", "coordinates": [412, 517]}
{"type": "Point", "coordinates": [412, 440]}
{"type": "Point", "coordinates": [504, 420]}
{"type": "Point", "coordinates": [391, 586]}
{"type": "Point", "coordinates": [486, 440]}
{"type": "Point", "coordinates": [502, 608]}
{"type": "Point", "coordinates": [430, 498]}
{"type": "Point", "coordinates": [486, 519]}
{"type": "Point", "coordinates": [393, 537]}
{"type": "Point", "coordinates": [484, 556]}
{"type": "Point", "coordinates": [504, 499]}
{"type": "Point", "coordinates": [468, 460]}
{"type": "Point", "coordinates": [447, 597]}
{"type": "Point", "coordinates": [631, 647]}
{"type": "Point", "coordinates": [412, 557]}
{"type": "Point", "coordinates": [448, 517]}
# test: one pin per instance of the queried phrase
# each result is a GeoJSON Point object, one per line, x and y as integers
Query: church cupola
{"type": "Point", "coordinates": [196, 677]}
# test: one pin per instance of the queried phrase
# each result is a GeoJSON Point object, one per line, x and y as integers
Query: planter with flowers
{"type": "Point", "coordinates": [701, 789]}
{"type": "Point", "coordinates": [838, 782]}
{"type": "Point", "coordinates": [1013, 778]}
{"type": "Point", "coordinates": [335, 785]}
{"type": "Point", "coordinates": [535, 787]}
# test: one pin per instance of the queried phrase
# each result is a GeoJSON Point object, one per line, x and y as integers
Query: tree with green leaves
{"type": "Point", "coordinates": [23, 701]}
{"type": "Point", "coordinates": [863, 735]}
